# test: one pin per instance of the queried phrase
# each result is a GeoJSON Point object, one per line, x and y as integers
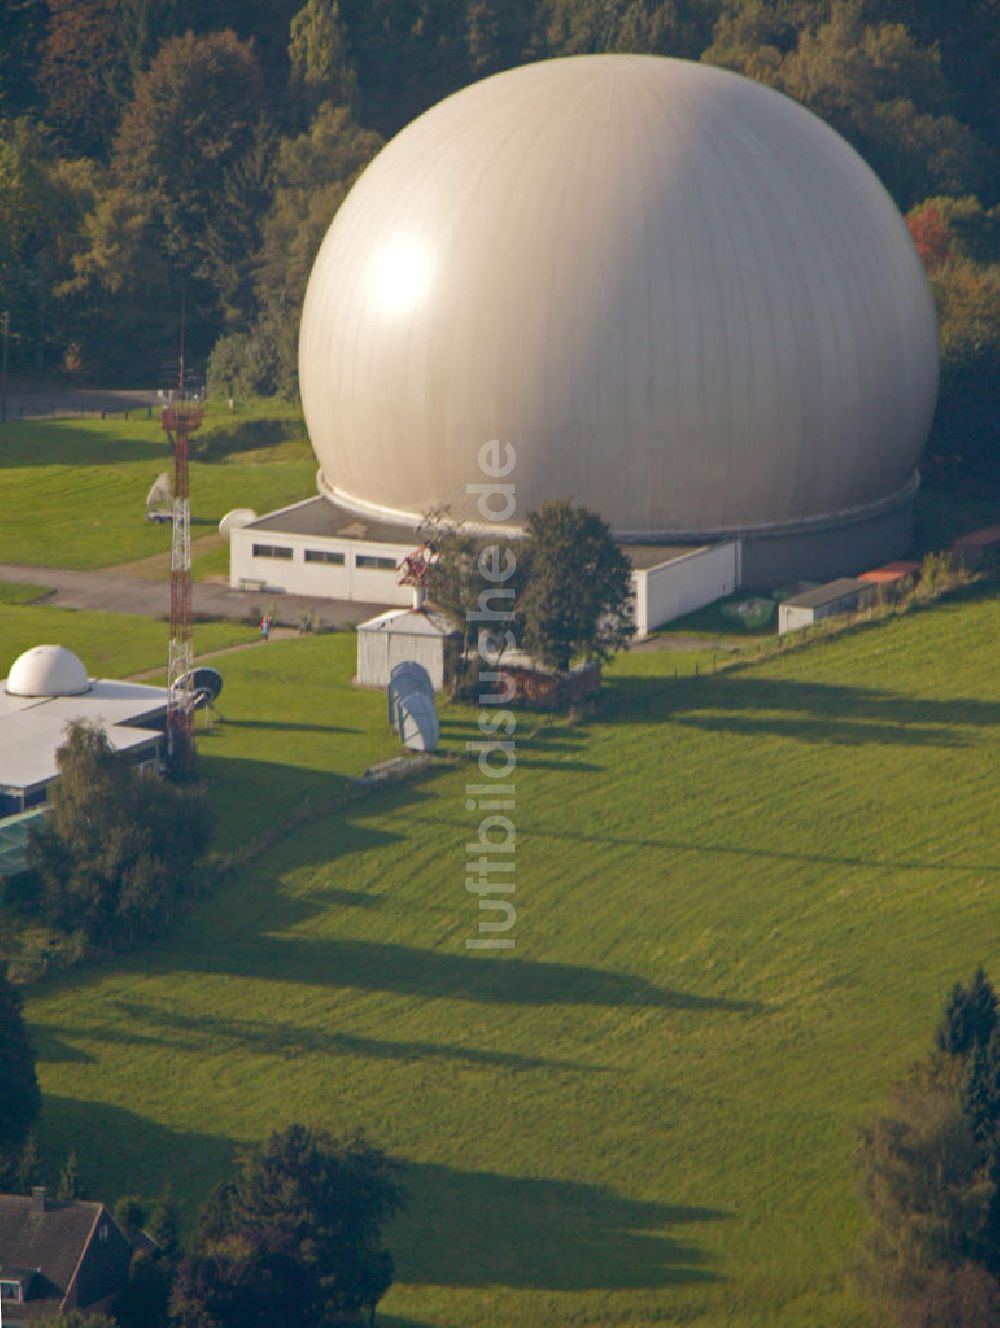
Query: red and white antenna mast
{"type": "Point", "coordinates": [180, 420]}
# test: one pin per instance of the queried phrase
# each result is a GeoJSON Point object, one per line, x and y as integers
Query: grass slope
{"type": "Point", "coordinates": [75, 490]}
{"type": "Point", "coordinates": [741, 899]}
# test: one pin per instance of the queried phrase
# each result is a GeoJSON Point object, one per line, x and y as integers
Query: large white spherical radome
{"type": "Point", "coordinates": [47, 671]}
{"type": "Point", "coordinates": [684, 300]}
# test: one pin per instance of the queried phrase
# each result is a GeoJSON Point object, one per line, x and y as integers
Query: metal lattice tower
{"type": "Point", "coordinates": [180, 420]}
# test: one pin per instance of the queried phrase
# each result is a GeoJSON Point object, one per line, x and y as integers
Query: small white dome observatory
{"type": "Point", "coordinates": [683, 299]}
{"type": "Point", "coordinates": [47, 671]}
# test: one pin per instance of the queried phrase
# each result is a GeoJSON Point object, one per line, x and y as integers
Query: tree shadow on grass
{"type": "Point", "coordinates": [215, 1035]}
{"type": "Point", "coordinates": [131, 1154]}
{"type": "Point", "coordinates": [47, 443]}
{"type": "Point", "coordinates": [471, 1228]}
{"type": "Point", "coordinates": [281, 726]}
{"type": "Point", "coordinates": [733, 702]}
{"type": "Point", "coordinates": [374, 966]}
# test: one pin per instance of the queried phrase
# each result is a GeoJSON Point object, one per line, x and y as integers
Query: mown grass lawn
{"type": "Point", "coordinates": [111, 645]}
{"type": "Point", "coordinates": [741, 899]}
{"type": "Point", "coordinates": [75, 490]}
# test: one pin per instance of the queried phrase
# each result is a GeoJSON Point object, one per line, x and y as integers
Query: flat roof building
{"type": "Point", "coordinates": [46, 690]}
{"type": "Point", "coordinates": [845, 595]}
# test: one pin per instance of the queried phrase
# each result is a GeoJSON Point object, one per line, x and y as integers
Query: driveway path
{"type": "Point", "coordinates": [151, 599]}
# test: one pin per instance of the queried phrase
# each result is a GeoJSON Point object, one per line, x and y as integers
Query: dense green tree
{"type": "Point", "coordinates": [655, 27]}
{"type": "Point", "coordinates": [43, 203]}
{"type": "Point", "coordinates": [28, 1170]}
{"type": "Point", "coordinates": [471, 574]}
{"type": "Point", "coordinates": [164, 1224]}
{"type": "Point", "coordinates": [872, 82]}
{"type": "Point", "coordinates": [408, 54]}
{"type": "Point", "coordinates": [117, 856]}
{"type": "Point", "coordinates": [69, 1185]}
{"type": "Point", "coordinates": [575, 598]}
{"type": "Point", "coordinates": [966, 1296]}
{"type": "Point", "coordinates": [969, 1017]}
{"type": "Point", "coordinates": [296, 1238]}
{"type": "Point", "coordinates": [499, 34]}
{"type": "Point", "coordinates": [19, 1096]}
{"type": "Point", "coordinates": [22, 29]}
{"type": "Point", "coordinates": [312, 173]}
{"type": "Point", "coordinates": [192, 152]}
{"type": "Point", "coordinates": [84, 72]}
{"type": "Point", "coordinates": [320, 65]}
{"type": "Point", "coordinates": [967, 34]}
{"type": "Point", "coordinates": [144, 1300]}
{"type": "Point", "coordinates": [925, 1188]}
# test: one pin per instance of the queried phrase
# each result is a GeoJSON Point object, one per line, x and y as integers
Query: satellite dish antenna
{"type": "Point", "coordinates": [236, 520]}
{"type": "Point", "coordinates": [159, 500]}
{"type": "Point", "coordinates": [412, 712]}
{"type": "Point", "coordinates": [417, 722]}
{"type": "Point", "coordinates": [205, 685]}
{"type": "Point", "coordinates": [406, 677]}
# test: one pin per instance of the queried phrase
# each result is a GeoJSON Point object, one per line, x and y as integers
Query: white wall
{"type": "Point", "coordinates": [684, 584]}
{"type": "Point", "coordinates": [380, 651]}
{"type": "Point", "coordinates": [295, 576]}
{"type": "Point", "coordinates": [793, 617]}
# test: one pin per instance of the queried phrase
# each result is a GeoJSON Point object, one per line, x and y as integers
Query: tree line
{"type": "Point", "coordinates": [930, 1177]}
{"type": "Point", "coordinates": [160, 156]}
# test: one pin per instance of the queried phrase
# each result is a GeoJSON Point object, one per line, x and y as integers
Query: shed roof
{"type": "Point", "coordinates": [843, 588]}
{"type": "Point", "coordinates": [979, 539]}
{"type": "Point", "coordinates": [410, 622]}
{"type": "Point", "coordinates": [894, 571]}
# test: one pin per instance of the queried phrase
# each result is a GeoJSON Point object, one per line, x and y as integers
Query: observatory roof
{"type": "Point", "coordinates": [32, 728]}
{"type": "Point", "coordinates": [321, 517]}
{"type": "Point", "coordinates": [47, 671]}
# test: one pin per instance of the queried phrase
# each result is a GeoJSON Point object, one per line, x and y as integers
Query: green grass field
{"type": "Point", "coordinates": [741, 899]}
{"type": "Point", "coordinates": [75, 491]}
{"type": "Point", "coordinates": [110, 644]}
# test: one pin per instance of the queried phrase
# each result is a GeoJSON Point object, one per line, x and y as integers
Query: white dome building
{"type": "Point", "coordinates": [46, 690]}
{"type": "Point", "coordinates": [47, 671]}
{"type": "Point", "coordinates": [684, 300]}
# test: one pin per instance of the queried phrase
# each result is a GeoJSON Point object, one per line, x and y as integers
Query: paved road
{"type": "Point", "coordinates": [151, 599]}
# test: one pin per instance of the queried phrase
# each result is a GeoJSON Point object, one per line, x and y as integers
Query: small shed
{"type": "Point", "coordinates": [422, 635]}
{"type": "Point", "coordinates": [979, 548]}
{"type": "Point", "coordinates": [846, 595]}
{"type": "Point", "coordinates": [898, 573]}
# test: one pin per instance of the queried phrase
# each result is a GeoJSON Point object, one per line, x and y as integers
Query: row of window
{"type": "Point", "coordinates": [365, 561]}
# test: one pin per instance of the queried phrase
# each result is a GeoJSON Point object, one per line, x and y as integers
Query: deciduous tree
{"type": "Point", "coordinates": [296, 1238]}
{"type": "Point", "coordinates": [575, 596]}
{"type": "Point", "coordinates": [117, 855]}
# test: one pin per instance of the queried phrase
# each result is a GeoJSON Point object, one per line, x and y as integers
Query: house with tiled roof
{"type": "Point", "coordinates": [58, 1254]}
